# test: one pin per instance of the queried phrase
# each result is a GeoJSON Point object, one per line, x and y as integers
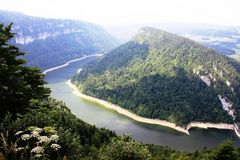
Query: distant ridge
{"type": "Point", "coordinates": [51, 42]}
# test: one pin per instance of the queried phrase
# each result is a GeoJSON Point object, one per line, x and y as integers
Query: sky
{"type": "Point", "coordinates": [113, 12]}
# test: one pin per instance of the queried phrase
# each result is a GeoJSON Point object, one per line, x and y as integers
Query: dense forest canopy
{"type": "Point", "coordinates": [161, 75]}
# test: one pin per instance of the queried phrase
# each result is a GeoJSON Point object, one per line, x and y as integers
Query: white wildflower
{"type": "Point", "coordinates": [38, 155]}
{"type": "Point", "coordinates": [43, 139]}
{"type": "Point", "coordinates": [54, 138]}
{"type": "Point", "coordinates": [37, 150]}
{"type": "Point", "coordinates": [55, 146]}
{"type": "Point", "coordinates": [19, 149]}
{"type": "Point", "coordinates": [35, 134]}
{"type": "Point", "coordinates": [19, 132]}
{"type": "Point", "coordinates": [39, 130]}
{"type": "Point", "coordinates": [25, 137]}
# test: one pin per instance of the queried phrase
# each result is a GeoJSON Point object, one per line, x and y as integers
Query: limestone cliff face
{"type": "Point", "coordinates": [51, 42]}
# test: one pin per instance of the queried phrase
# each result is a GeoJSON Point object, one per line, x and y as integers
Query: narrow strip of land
{"type": "Point", "coordinates": [149, 120]}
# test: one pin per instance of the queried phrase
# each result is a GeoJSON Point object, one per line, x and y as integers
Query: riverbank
{"type": "Point", "coordinates": [69, 62]}
{"type": "Point", "coordinates": [152, 121]}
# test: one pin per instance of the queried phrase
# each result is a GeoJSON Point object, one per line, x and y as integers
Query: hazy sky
{"type": "Point", "coordinates": [108, 12]}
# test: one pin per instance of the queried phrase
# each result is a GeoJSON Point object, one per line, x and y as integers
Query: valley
{"type": "Point", "coordinates": [118, 82]}
{"type": "Point", "coordinates": [107, 118]}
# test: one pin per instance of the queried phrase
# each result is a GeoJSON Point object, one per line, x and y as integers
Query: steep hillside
{"type": "Point", "coordinates": [51, 42]}
{"type": "Point", "coordinates": [162, 75]}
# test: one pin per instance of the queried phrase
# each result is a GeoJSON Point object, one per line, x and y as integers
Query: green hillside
{"type": "Point", "coordinates": [51, 42]}
{"type": "Point", "coordinates": [161, 75]}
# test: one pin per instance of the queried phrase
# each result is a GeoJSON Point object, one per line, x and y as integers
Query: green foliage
{"type": "Point", "coordinates": [37, 143]}
{"type": "Point", "coordinates": [125, 148]}
{"type": "Point", "coordinates": [157, 75]}
{"type": "Point", "coordinates": [76, 138]}
{"type": "Point", "coordinates": [18, 83]}
{"type": "Point", "coordinates": [225, 151]}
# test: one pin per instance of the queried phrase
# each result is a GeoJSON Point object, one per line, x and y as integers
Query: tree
{"type": "Point", "coordinates": [19, 84]}
{"type": "Point", "coordinates": [225, 151]}
{"type": "Point", "coordinates": [125, 148]}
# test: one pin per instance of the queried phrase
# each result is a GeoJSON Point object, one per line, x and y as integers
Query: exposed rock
{"type": "Point", "coordinates": [227, 106]}
{"type": "Point", "coordinates": [206, 79]}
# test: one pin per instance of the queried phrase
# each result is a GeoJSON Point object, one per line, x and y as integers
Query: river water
{"type": "Point", "coordinates": [102, 117]}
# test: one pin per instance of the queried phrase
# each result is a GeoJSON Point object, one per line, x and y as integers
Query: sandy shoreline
{"type": "Point", "coordinates": [68, 62]}
{"type": "Point", "coordinates": [152, 121]}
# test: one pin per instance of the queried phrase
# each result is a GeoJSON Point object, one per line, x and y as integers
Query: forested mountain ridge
{"type": "Point", "coordinates": [51, 42]}
{"type": "Point", "coordinates": [34, 126]}
{"type": "Point", "coordinates": [223, 39]}
{"type": "Point", "coordinates": [161, 75]}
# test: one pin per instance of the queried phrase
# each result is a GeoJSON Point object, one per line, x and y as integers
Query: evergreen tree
{"type": "Point", "coordinates": [125, 148]}
{"type": "Point", "coordinates": [225, 151]}
{"type": "Point", "coordinates": [19, 84]}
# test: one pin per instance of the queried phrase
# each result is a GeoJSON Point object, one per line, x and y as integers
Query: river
{"type": "Point", "coordinates": [102, 117]}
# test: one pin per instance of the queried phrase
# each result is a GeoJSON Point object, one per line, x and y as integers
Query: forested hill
{"type": "Point", "coordinates": [51, 42]}
{"type": "Point", "coordinates": [162, 75]}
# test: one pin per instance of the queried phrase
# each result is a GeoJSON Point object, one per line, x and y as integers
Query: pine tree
{"type": "Point", "coordinates": [225, 151]}
{"type": "Point", "coordinates": [19, 84]}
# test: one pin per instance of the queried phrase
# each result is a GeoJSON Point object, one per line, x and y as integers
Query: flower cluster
{"type": "Point", "coordinates": [37, 150]}
{"type": "Point", "coordinates": [35, 134]}
{"type": "Point", "coordinates": [42, 139]}
{"type": "Point", "coordinates": [55, 146]}
{"type": "Point", "coordinates": [39, 130]}
{"type": "Point", "coordinates": [54, 138]}
{"type": "Point", "coordinates": [25, 137]}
